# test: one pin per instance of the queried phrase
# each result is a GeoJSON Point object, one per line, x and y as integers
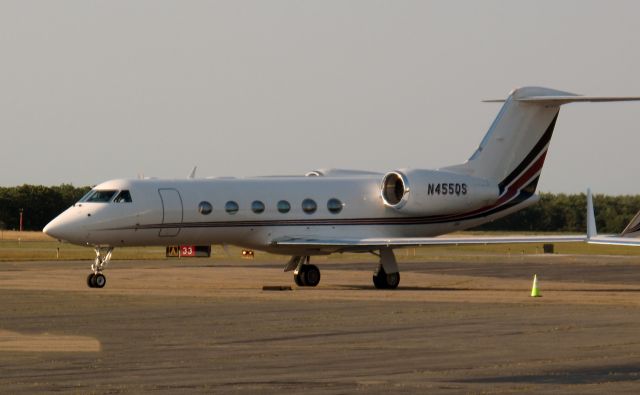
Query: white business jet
{"type": "Point", "coordinates": [630, 236]}
{"type": "Point", "coordinates": [328, 211]}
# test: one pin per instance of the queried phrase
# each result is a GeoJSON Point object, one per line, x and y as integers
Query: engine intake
{"type": "Point", "coordinates": [395, 189]}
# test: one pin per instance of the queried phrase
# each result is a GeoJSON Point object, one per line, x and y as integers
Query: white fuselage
{"type": "Point", "coordinates": [169, 212]}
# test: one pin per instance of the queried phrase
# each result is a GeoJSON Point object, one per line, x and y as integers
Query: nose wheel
{"type": "Point", "coordinates": [96, 279]}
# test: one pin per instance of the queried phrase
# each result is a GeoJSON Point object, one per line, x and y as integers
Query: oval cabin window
{"type": "Point", "coordinates": [334, 206]}
{"type": "Point", "coordinates": [309, 206]}
{"type": "Point", "coordinates": [283, 206]}
{"type": "Point", "coordinates": [257, 207]}
{"type": "Point", "coordinates": [231, 207]}
{"type": "Point", "coordinates": [205, 208]}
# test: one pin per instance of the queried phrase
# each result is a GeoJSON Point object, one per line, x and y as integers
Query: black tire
{"type": "Point", "coordinates": [379, 278]}
{"type": "Point", "coordinates": [382, 280]}
{"type": "Point", "coordinates": [311, 275]}
{"type": "Point", "coordinates": [378, 282]}
{"type": "Point", "coordinates": [99, 280]}
{"type": "Point", "coordinates": [393, 280]}
{"type": "Point", "coordinates": [90, 280]}
{"type": "Point", "coordinates": [299, 278]}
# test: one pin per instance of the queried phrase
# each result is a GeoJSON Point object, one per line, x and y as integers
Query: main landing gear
{"type": "Point", "coordinates": [387, 275]}
{"type": "Point", "coordinates": [96, 279]}
{"type": "Point", "coordinates": [304, 273]}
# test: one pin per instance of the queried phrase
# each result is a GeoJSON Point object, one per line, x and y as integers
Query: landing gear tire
{"type": "Point", "coordinates": [299, 278]}
{"type": "Point", "coordinates": [90, 280]}
{"type": "Point", "coordinates": [311, 275]}
{"type": "Point", "coordinates": [384, 280]}
{"type": "Point", "coordinates": [307, 276]}
{"type": "Point", "coordinates": [99, 280]}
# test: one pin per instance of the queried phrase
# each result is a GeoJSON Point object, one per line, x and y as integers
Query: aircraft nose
{"type": "Point", "coordinates": [53, 229]}
{"type": "Point", "coordinates": [59, 229]}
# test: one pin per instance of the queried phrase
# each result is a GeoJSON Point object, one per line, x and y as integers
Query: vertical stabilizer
{"type": "Point", "coordinates": [513, 151]}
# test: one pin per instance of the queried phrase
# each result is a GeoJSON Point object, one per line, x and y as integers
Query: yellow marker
{"type": "Point", "coordinates": [534, 289]}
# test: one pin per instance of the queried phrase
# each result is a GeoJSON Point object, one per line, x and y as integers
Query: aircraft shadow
{"type": "Point", "coordinates": [592, 375]}
{"type": "Point", "coordinates": [459, 289]}
{"type": "Point", "coordinates": [401, 288]}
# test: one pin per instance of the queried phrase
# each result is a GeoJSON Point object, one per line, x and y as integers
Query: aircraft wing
{"type": "Point", "coordinates": [613, 240]}
{"type": "Point", "coordinates": [426, 241]}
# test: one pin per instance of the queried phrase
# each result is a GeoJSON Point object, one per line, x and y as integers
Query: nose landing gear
{"type": "Point", "coordinates": [96, 279]}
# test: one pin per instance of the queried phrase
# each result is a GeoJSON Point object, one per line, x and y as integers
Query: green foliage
{"type": "Point", "coordinates": [40, 204]}
{"type": "Point", "coordinates": [568, 213]}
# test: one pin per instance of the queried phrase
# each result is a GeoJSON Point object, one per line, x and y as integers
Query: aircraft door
{"type": "Point", "coordinates": [171, 211]}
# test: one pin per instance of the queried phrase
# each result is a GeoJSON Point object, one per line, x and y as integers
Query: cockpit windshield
{"type": "Point", "coordinates": [98, 196]}
{"type": "Point", "coordinates": [123, 197]}
{"type": "Point", "coordinates": [105, 196]}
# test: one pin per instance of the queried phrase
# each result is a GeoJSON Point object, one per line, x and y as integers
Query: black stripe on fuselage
{"type": "Point", "coordinates": [535, 151]}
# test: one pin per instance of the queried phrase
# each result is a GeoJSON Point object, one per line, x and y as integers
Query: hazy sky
{"type": "Point", "coordinates": [95, 90]}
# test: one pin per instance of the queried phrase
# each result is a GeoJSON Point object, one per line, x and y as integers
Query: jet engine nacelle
{"type": "Point", "coordinates": [434, 192]}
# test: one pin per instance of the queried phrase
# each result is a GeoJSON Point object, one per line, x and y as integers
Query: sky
{"type": "Point", "coordinates": [96, 90]}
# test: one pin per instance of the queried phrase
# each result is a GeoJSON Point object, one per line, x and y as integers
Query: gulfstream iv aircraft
{"type": "Point", "coordinates": [329, 211]}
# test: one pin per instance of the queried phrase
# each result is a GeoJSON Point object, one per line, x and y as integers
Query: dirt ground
{"type": "Point", "coordinates": [198, 327]}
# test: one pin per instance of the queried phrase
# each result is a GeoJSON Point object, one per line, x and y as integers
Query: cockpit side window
{"type": "Point", "coordinates": [123, 197]}
{"type": "Point", "coordinates": [86, 196]}
{"type": "Point", "coordinates": [100, 196]}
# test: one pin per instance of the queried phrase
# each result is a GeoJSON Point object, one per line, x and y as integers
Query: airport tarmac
{"type": "Point", "coordinates": [197, 326]}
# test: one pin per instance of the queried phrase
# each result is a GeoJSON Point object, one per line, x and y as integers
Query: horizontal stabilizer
{"type": "Point", "coordinates": [559, 99]}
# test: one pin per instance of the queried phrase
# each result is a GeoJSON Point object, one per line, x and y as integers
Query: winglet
{"type": "Point", "coordinates": [193, 172]}
{"type": "Point", "coordinates": [591, 217]}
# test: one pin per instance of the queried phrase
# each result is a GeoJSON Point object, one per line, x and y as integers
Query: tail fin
{"type": "Point", "coordinates": [514, 148]}
{"type": "Point", "coordinates": [513, 151]}
{"type": "Point", "coordinates": [633, 229]}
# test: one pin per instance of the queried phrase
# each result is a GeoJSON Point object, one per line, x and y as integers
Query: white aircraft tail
{"type": "Point", "coordinates": [513, 151]}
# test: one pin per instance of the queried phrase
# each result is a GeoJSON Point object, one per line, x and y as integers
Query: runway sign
{"type": "Point", "coordinates": [188, 251]}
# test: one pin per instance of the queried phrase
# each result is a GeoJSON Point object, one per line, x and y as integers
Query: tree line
{"type": "Point", "coordinates": [39, 204]}
{"type": "Point", "coordinates": [553, 213]}
{"type": "Point", "coordinates": [568, 213]}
